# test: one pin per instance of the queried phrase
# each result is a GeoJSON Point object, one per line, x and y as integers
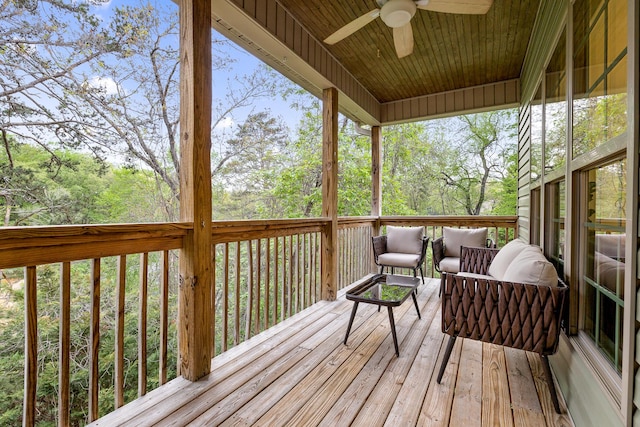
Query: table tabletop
{"type": "Point", "coordinates": [384, 289]}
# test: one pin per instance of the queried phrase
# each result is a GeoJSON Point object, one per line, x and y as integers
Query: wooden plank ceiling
{"type": "Point", "coordinates": [451, 51]}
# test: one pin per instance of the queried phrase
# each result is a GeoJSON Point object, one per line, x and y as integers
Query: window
{"type": "Point", "coordinates": [603, 260]}
{"type": "Point", "coordinates": [555, 194]}
{"type": "Point", "coordinates": [600, 72]}
{"type": "Point", "coordinates": [555, 108]}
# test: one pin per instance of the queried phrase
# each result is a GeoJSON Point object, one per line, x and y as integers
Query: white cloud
{"type": "Point", "coordinates": [226, 122]}
{"type": "Point", "coordinates": [105, 83]}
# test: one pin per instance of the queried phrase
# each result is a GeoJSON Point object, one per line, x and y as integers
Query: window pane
{"type": "Point", "coordinates": [616, 101]}
{"type": "Point", "coordinates": [599, 73]}
{"type": "Point", "coordinates": [617, 29]}
{"type": "Point", "coordinates": [603, 282]}
{"type": "Point", "coordinates": [555, 119]}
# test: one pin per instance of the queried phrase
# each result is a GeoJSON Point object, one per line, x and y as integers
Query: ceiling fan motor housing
{"type": "Point", "coordinates": [397, 13]}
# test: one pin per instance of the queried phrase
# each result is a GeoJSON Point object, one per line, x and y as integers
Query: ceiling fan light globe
{"type": "Point", "coordinates": [397, 13]}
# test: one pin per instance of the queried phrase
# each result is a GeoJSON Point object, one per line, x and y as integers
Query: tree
{"type": "Point", "coordinates": [49, 187]}
{"type": "Point", "coordinates": [249, 165]}
{"type": "Point", "coordinates": [109, 87]}
{"type": "Point", "coordinates": [481, 147]}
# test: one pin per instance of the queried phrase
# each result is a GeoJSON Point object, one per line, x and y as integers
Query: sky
{"type": "Point", "coordinates": [244, 63]}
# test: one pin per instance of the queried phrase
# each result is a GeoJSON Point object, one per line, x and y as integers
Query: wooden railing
{"type": "Point", "coordinates": [264, 272]}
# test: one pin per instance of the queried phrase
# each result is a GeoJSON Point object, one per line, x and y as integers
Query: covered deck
{"type": "Point", "coordinates": [299, 372]}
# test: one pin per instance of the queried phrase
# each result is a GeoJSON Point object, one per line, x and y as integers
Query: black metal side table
{"type": "Point", "coordinates": [384, 290]}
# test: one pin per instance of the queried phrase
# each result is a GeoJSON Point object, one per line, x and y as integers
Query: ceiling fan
{"type": "Point", "coordinates": [397, 14]}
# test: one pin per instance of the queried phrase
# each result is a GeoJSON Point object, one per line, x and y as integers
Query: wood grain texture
{"type": "Point", "coordinates": [299, 372]}
{"type": "Point", "coordinates": [195, 188]}
{"type": "Point", "coordinates": [94, 342]}
{"type": "Point", "coordinates": [30, 346]}
{"type": "Point", "coordinates": [64, 394]}
{"type": "Point", "coordinates": [143, 295]}
{"type": "Point", "coordinates": [329, 269]}
{"type": "Point", "coordinates": [376, 171]}
{"type": "Point", "coordinates": [467, 401]}
{"type": "Point", "coordinates": [496, 408]}
{"type": "Point", "coordinates": [164, 318]}
{"type": "Point", "coordinates": [119, 332]}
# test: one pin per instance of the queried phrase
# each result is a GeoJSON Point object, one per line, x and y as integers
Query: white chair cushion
{"type": "Point", "coordinates": [504, 257]}
{"type": "Point", "coordinates": [450, 264]}
{"type": "Point", "coordinates": [530, 266]}
{"type": "Point", "coordinates": [475, 275]}
{"type": "Point", "coordinates": [399, 260]}
{"type": "Point", "coordinates": [404, 240]}
{"type": "Point", "coordinates": [456, 237]}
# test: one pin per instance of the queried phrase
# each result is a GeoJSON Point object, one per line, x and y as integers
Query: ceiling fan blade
{"type": "Point", "coordinates": [467, 7]}
{"type": "Point", "coordinates": [403, 40]}
{"type": "Point", "coordinates": [352, 27]}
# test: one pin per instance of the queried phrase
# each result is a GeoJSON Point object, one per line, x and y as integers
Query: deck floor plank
{"type": "Point", "coordinates": [406, 408]}
{"type": "Point", "coordinates": [362, 370]}
{"type": "Point", "coordinates": [436, 408]}
{"type": "Point", "coordinates": [467, 399]}
{"type": "Point", "coordinates": [376, 406]}
{"type": "Point", "coordinates": [300, 373]}
{"type": "Point", "coordinates": [524, 397]}
{"type": "Point", "coordinates": [268, 392]}
{"type": "Point", "coordinates": [496, 404]}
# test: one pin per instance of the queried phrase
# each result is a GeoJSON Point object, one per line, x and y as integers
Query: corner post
{"type": "Point", "coordinates": [329, 264]}
{"type": "Point", "coordinates": [195, 188]}
{"type": "Point", "coordinates": [376, 184]}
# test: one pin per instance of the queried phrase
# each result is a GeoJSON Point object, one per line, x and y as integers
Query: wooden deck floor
{"type": "Point", "coordinates": [300, 373]}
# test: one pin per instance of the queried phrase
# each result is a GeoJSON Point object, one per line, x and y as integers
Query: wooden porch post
{"type": "Point", "coordinates": [376, 173]}
{"type": "Point", "coordinates": [376, 184]}
{"type": "Point", "coordinates": [329, 264]}
{"type": "Point", "coordinates": [195, 188]}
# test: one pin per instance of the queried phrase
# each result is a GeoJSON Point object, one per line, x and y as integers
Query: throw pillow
{"type": "Point", "coordinates": [404, 240]}
{"type": "Point", "coordinates": [504, 257]}
{"type": "Point", "coordinates": [530, 266]}
{"type": "Point", "coordinates": [456, 237]}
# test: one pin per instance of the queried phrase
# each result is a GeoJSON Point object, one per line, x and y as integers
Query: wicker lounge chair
{"type": "Point", "coordinates": [481, 307]}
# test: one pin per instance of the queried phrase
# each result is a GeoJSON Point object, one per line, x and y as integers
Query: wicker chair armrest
{"type": "Point", "coordinates": [437, 246]}
{"type": "Point", "coordinates": [379, 246]}
{"type": "Point", "coordinates": [476, 260]}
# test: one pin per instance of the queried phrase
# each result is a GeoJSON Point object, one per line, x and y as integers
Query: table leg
{"type": "Point", "coordinates": [393, 330]}
{"type": "Point", "coordinates": [415, 302]}
{"type": "Point", "coordinates": [353, 315]}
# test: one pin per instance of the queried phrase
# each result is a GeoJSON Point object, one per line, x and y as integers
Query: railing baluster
{"type": "Point", "coordinates": [30, 346]}
{"type": "Point", "coordinates": [258, 283]}
{"type": "Point", "coordinates": [164, 317]}
{"type": "Point", "coordinates": [225, 300]}
{"type": "Point", "coordinates": [119, 333]}
{"type": "Point", "coordinates": [276, 252]}
{"type": "Point", "coordinates": [267, 284]}
{"type": "Point", "coordinates": [65, 344]}
{"type": "Point", "coordinates": [94, 341]}
{"type": "Point", "coordinates": [142, 324]}
{"type": "Point", "coordinates": [297, 272]}
{"type": "Point", "coordinates": [249, 306]}
{"type": "Point", "coordinates": [236, 319]}
{"type": "Point", "coordinates": [282, 279]}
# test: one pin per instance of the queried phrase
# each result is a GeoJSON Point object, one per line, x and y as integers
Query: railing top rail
{"type": "Point", "coordinates": [446, 220]}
